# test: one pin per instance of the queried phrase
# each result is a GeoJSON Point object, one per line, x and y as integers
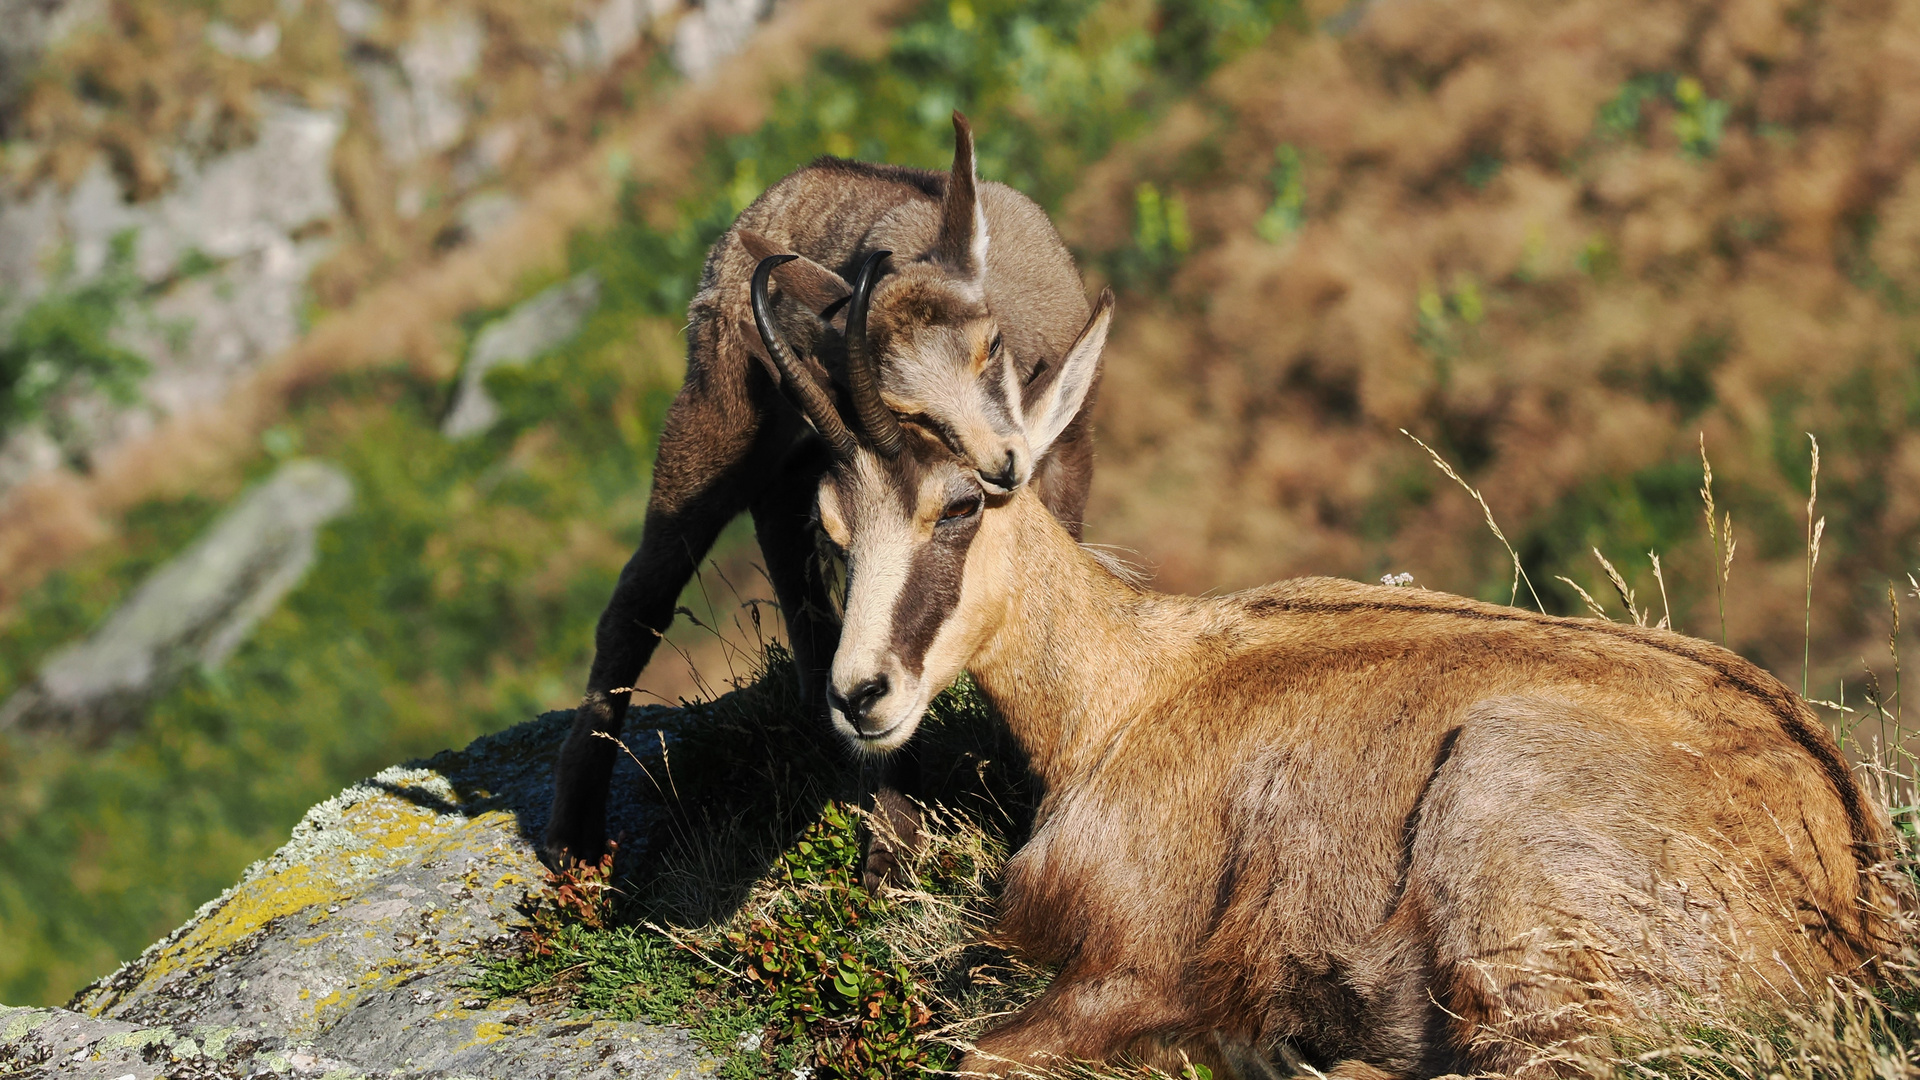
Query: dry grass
{"type": "Point", "coordinates": [1561, 302]}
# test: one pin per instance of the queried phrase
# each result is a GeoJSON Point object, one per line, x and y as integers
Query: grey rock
{"type": "Point", "coordinates": [419, 100]}
{"type": "Point", "coordinates": [235, 204]}
{"type": "Point", "coordinates": [197, 609]}
{"type": "Point", "coordinates": [238, 212]}
{"type": "Point", "coordinates": [358, 19]}
{"type": "Point", "coordinates": [610, 30]}
{"type": "Point", "coordinates": [347, 953]}
{"type": "Point", "coordinates": [715, 31]}
{"type": "Point", "coordinates": [250, 200]}
{"type": "Point", "coordinates": [256, 44]}
{"type": "Point", "coordinates": [29, 233]}
{"type": "Point", "coordinates": [534, 327]}
{"type": "Point", "coordinates": [483, 213]}
{"type": "Point", "coordinates": [205, 332]}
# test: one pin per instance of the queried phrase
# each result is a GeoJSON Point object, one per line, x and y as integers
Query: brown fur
{"type": "Point", "coordinates": [732, 442]}
{"type": "Point", "coordinates": [1394, 831]}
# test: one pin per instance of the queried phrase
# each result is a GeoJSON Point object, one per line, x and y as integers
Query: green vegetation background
{"type": "Point", "coordinates": [459, 595]}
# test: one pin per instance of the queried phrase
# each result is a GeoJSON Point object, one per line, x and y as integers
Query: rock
{"type": "Point", "coordinates": [235, 204]}
{"type": "Point", "coordinates": [419, 103]}
{"type": "Point", "coordinates": [347, 952]}
{"type": "Point", "coordinates": [482, 214]}
{"type": "Point", "coordinates": [29, 235]}
{"type": "Point", "coordinates": [715, 31]}
{"type": "Point", "coordinates": [256, 44]}
{"type": "Point", "coordinates": [610, 30]}
{"type": "Point", "coordinates": [534, 327]}
{"type": "Point", "coordinates": [219, 249]}
{"type": "Point", "coordinates": [197, 609]}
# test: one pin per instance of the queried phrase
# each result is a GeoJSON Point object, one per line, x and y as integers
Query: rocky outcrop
{"type": "Point", "coordinates": [225, 257]}
{"type": "Point", "coordinates": [196, 609]}
{"type": "Point", "coordinates": [226, 249]}
{"type": "Point", "coordinates": [535, 326]}
{"type": "Point", "coordinates": [347, 953]}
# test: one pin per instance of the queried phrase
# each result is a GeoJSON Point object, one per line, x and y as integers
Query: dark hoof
{"type": "Point", "coordinates": [564, 847]}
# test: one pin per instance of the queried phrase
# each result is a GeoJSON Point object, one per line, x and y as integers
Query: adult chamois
{"type": "Point", "coordinates": [1390, 831]}
{"type": "Point", "coordinates": [981, 298]}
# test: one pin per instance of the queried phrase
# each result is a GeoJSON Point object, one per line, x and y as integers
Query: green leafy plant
{"type": "Point", "coordinates": [62, 344]}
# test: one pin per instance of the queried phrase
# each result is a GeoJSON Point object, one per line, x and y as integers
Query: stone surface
{"type": "Point", "coordinates": [714, 31]}
{"type": "Point", "coordinates": [420, 100]}
{"type": "Point", "coordinates": [235, 204]}
{"type": "Point", "coordinates": [196, 609]}
{"type": "Point", "coordinates": [610, 29]}
{"type": "Point", "coordinates": [219, 251]}
{"type": "Point", "coordinates": [534, 327]}
{"type": "Point", "coordinates": [347, 953]}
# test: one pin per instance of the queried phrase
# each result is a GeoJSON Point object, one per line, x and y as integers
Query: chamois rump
{"type": "Point", "coordinates": [981, 297]}
{"type": "Point", "coordinates": [1390, 831]}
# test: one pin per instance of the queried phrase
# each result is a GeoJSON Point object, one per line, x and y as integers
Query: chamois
{"type": "Point", "coordinates": [1385, 831]}
{"type": "Point", "coordinates": [982, 297]}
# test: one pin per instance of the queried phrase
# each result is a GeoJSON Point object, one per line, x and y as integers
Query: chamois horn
{"type": "Point", "coordinates": [805, 391]}
{"type": "Point", "coordinates": [878, 422]}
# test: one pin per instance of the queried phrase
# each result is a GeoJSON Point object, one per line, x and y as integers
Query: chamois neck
{"type": "Point", "coordinates": [1073, 656]}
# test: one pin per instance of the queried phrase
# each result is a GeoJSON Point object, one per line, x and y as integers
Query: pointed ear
{"type": "Point", "coordinates": [1060, 399]}
{"type": "Point", "coordinates": [962, 245]}
{"type": "Point", "coordinates": [803, 279]}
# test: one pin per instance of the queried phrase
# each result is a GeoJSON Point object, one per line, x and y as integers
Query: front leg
{"type": "Point", "coordinates": [1084, 1015]}
{"type": "Point", "coordinates": [715, 449]}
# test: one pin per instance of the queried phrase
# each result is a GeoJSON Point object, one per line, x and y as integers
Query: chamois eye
{"type": "Point", "coordinates": [993, 348]}
{"type": "Point", "coordinates": [962, 508]}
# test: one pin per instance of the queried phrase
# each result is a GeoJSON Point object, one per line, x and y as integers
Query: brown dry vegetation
{"type": "Point", "coordinates": [1560, 304]}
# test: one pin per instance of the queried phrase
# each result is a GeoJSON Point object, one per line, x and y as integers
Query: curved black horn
{"type": "Point", "coordinates": [812, 398]}
{"type": "Point", "coordinates": [863, 376]}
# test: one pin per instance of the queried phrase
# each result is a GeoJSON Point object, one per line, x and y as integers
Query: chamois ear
{"type": "Point", "coordinates": [801, 278]}
{"type": "Point", "coordinates": [1066, 387]}
{"type": "Point", "coordinates": [962, 245]}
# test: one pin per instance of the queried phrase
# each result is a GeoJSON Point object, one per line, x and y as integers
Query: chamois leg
{"type": "Point", "coordinates": [1082, 1016]}
{"type": "Point", "coordinates": [712, 452]}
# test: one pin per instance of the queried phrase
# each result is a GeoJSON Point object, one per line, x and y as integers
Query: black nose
{"type": "Point", "coordinates": [854, 705]}
{"type": "Point", "coordinates": [1009, 476]}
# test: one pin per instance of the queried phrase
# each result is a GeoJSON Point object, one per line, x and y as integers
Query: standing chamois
{"type": "Point", "coordinates": [982, 297]}
{"type": "Point", "coordinates": [1385, 831]}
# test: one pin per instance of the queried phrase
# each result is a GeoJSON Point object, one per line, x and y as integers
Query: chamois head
{"type": "Point", "coordinates": [933, 336]}
{"type": "Point", "coordinates": [906, 509]}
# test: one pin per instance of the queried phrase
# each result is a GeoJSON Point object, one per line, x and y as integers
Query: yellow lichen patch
{"type": "Point", "coordinates": [252, 906]}
{"type": "Point", "coordinates": [484, 1032]}
{"type": "Point", "coordinates": [379, 824]}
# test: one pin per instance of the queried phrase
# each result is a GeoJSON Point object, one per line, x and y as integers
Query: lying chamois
{"type": "Point", "coordinates": [982, 296]}
{"type": "Point", "coordinates": [1389, 831]}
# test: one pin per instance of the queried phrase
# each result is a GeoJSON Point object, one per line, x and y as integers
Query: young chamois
{"type": "Point", "coordinates": [1385, 831]}
{"type": "Point", "coordinates": [981, 297]}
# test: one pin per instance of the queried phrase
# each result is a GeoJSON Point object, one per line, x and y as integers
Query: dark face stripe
{"type": "Point", "coordinates": [999, 411]}
{"type": "Point", "coordinates": [932, 590]}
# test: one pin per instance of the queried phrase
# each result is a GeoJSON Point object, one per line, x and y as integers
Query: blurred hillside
{"type": "Point", "coordinates": [1559, 244]}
